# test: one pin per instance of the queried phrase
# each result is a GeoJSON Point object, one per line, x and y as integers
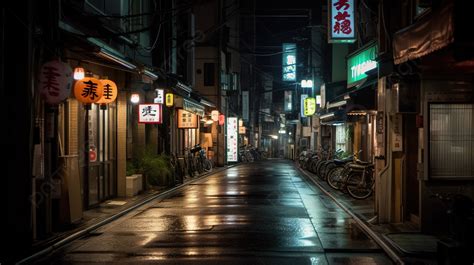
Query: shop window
{"type": "Point", "coordinates": [341, 139]}
{"type": "Point", "coordinates": [451, 141]}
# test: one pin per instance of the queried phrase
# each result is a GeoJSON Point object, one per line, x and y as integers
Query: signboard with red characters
{"type": "Point", "coordinates": [341, 21]}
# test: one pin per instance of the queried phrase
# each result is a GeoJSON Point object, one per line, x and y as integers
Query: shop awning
{"type": "Point", "coordinates": [190, 105]}
{"type": "Point", "coordinates": [430, 33]}
{"type": "Point", "coordinates": [331, 118]}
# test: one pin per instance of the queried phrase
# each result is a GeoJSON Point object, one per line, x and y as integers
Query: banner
{"type": "Point", "coordinates": [341, 21]}
{"type": "Point", "coordinates": [232, 140]}
{"type": "Point", "coordinates": [245, 105]}
{"type": "Point", "coordinates": [288, 101]}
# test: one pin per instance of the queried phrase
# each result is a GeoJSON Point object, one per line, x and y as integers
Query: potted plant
{"type": "Point", "coordinates": [155, 168]}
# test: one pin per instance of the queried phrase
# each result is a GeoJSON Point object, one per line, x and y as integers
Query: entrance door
{"type": "Point", "coordinates": [101, 182]}
{"type": "Point", "coordinates": [411, 180]}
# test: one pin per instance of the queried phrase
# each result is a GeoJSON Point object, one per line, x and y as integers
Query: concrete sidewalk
{"type": "Point", "coordinates": [110, 208]}
{"type": "Point", "coordinates": [404, 240]}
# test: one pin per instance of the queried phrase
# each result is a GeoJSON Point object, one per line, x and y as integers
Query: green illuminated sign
{"type": "Point", "coordinates": [359, 63]}
{"type": "Point", "coordinates": [289, 62]}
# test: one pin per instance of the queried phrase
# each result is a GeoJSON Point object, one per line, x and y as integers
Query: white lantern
{"type": "Point", "coordinates": [215, 115]}
{"type": "Point", "coordinates": [55, 81]}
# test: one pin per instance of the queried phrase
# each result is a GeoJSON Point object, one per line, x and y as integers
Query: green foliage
{"type": "Point", "coordinates": [131, 168]}
{"type": "Point", "coordinates": [156, 168]}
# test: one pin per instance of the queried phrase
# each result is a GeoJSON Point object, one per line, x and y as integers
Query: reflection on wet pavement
{"type": "Point", "coordinates": [258, 213]}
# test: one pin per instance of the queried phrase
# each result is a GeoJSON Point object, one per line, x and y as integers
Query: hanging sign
{"type": "Point", "coordinates": [309, 106]}
{"type": "Point", "coordinates": [110, 91]}
{"type": "Point", "coordinates": [169, 100]}
{"type": "Point", "coordinates": [160, 96]}
{"type": "Point", "coordinates": [221, 119]}
{"type": "Point", "coordinates": [289, 62]}
{"type": "Point", "coordinates": [242, 130]}
{"type": "Point", "coordinates": [397, 133]}
{"type": "Point", "coordinates": [149, 113]}
{"type": "Point", "coordinates": [232, 139]}
{"type": "Point", "coordinates": [359, 63]}
{"type": "Point", "coordinates": [88, 90]}
{"type": "Point", "coordinates": [288, 101]}
{"type": "Point", "coordinates": [215, 115]}
{"type": "Point", "coordinates": [341, 21]}
{"type": "Point", "coordinates": [303, 97]}
{"type": "Point", "coordinates": [245, 105]}
{"type": "Point", "coordinates": [187, 120]}
{"type": "Point", "coordinates": [55, 81]}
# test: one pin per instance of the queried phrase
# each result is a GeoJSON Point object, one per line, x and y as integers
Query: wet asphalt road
{"type": "Point", "coordinates": [257, 213]}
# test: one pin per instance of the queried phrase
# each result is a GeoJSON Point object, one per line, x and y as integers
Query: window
{"type": "Point", "coordinates": [209, 74]}
{"type": "Point", "coordinates": [451, 141]}
{"type": "Point", "coordinates": [341, 138]}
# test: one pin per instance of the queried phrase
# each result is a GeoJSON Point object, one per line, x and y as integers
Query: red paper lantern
{"type": "Point", "coordinates": [221, 119]}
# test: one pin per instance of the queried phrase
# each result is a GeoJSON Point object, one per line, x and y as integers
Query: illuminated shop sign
{"type": "Point", "coordinates": [187, 120]}
{"type": "Point", "coordinates": [149, 113]}
{"type": "Point", "coordinates": [288, 100]}
{"type": "Point", "coordinates": [232, 139]}
{"type": "Point", "coordinates": [309, 106]}
{"type": "Point", "coordinates": [303, 97]}
{"type": "Point", "coordinates": [289, 62]}
{"type": "Point", "coordinates": [160, 96]}
{"type": "Point", "coordinates": [341, 21]}
{"type": "Point", "coordinates": [359, 63]}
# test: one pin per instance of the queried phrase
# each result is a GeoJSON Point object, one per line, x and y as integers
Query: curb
{"type": "Point", "coordinates": [365, 227]}
{"type": "Point", "coordinates": [82, 232]}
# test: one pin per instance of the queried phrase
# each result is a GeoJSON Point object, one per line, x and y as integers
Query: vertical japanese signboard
{"type": "Point", "coordinates": [245, 105]}
{"type": "Point", "coordinates": [149, 113]}
{"type": "Point", "coordinates": [341, 21]}
{"type": "Point", "coordinates": [309, 106]}
{"type": "Point", "coordinates": [288, 101]}
{"type": "Point", "coordinates": [289, 62]}
{"type": "Point", "coordinates": [303, 97]}
{"type": "Point", "coordinates": [397, 134]}
{"type": "Point", "coordinates": [232, 139]}
{"type": "Point", "coordinates": [160, 96]}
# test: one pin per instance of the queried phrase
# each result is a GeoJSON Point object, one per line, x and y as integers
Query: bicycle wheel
{"type": "Point", "coordinates": [357, 187]}
{"type": "Point", "coordinates": [334, 178]}
{"type": "Point", "coordinates": [207, 165]}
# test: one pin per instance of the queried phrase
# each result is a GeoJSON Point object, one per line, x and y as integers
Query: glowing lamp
{"type": "Point", "coordinates": [79, 73]}
{"type": "Point", "coordinates": [135, 98]}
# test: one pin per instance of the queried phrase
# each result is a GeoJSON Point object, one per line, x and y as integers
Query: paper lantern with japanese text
{"type": "Point", "coordinates": [55, 81]}
{"type": "Point", "coordinates": [88, 90]}
{"type": "Point", "coordinates": [110, 91]}
{"type": "Point", "coordinates": [169, 100]}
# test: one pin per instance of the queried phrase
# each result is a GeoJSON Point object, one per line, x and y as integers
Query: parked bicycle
{"type": "Point", "coordinates": [177, 166]}
{"type": "Point", "coordinates": [203, 163]}
{"type": "Point", "coordinates": [360, 181]}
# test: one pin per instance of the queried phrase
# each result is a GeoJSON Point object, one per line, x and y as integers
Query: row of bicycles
{"type": "Point", "coordinates": [344, 173]}
{"type": "Point", "coordinates": [248, 153]}
{"type": "Point", "coordinates": [194, 162]}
